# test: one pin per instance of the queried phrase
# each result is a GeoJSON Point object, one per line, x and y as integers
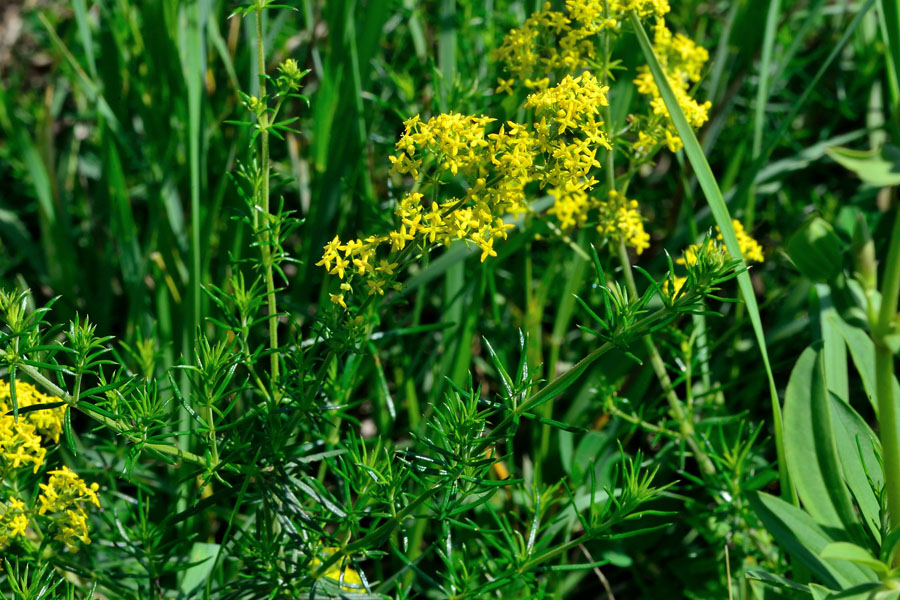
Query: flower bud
{"type": "Point", "coordinates": [864, 255]}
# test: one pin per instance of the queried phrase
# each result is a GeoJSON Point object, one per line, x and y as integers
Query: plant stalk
{"type": "Point", "coordinates": [659, 367]}
{"type": "Point", "coordinates": [166, 449]}
{"type": "Point", "coordinates": [263, 231]}
{"type": "Point", "coordinates": [889, 428]}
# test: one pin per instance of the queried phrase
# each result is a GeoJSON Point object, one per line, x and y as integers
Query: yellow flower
{"type": "Point", "coordinates": [376, 286]}
{"type": "Point", "coordinates": [338, 572]}
{"type": "Point", "coordinates": [338, 299]}
{"type": "Point", "coordinates": [682, 61]}
{"type": "Point", "coordinates": [21, 441]}
{"type": "Point", "coordinates": [750, 248]}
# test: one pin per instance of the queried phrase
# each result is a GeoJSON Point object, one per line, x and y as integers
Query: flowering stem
{"type": "Point", "coordinates": [659, 367]}
{"type": "Point", "coordinates": [263, 231]}
{"type": "Point", "coordinates": [656, 361]}
{"type": "Point", "coordinates": [57, 391]}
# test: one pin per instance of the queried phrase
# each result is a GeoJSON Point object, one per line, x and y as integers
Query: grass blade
{"type": "Point", "coordinates": [719, 209]}
{"type": "Point", "coordinates": [788, 119]}
{"type": "Point", "coordinates": [762, 94]}
{"type": "Point", "coordinates": [889, 11]}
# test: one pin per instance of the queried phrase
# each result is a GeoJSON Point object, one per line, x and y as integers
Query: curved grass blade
{"type": "Point", "coordinates": [719, 209]}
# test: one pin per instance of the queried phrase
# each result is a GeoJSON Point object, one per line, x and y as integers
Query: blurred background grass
{"type": "Point", "coordinates": [114, 194]}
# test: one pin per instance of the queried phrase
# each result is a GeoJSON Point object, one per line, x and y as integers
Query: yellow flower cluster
{"type": "Point", "coordinates": [551, 42]}
{"type": "Point", "coordinates": [643, 8]}
{"type": "Point", "coordinates": [617, 217]}
{"type": "Point", "coordinates": [351, 581]}
{"type": "Point", "coordinates": [682, 60]}
{"type": "Point", "coordinates": [750, 249]}
{"type": "Point", "coordinates": [13, 521]}
{"type": "Point", "coordinates": [448, 145]}
{"type": "Point", "coordinates": [21, 442]}
{"type": "Point", "coordinates": [571, 107]}
{"type": "Point", "coordinates": [557, 151]}
{"type": "Point", "coordinates": [456, 141]}
{"type": "Point", "coordinates": [621, 220]}
{"type": "Point", "coordinates": [63, 498]}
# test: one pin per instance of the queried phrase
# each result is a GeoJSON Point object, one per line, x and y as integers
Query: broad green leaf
{"type": "Point", "coordinates": [854, 554]}
{"type": "Point", "coordinates": [858, 449]}
{"type": "Point", "coordinates": [880, 167]}
{"type": "Point", "coordinates": [862, 351]}
{"type": "Point", "coordinates": [816, 250]}
{"type": "Point", "coordinates": [803, 539]}
{"type": "Point", "coordinates": [811, 451]}
{"type": "Point", "coordinates": [834, 349]}
{"type": "Point", "coordinates": [203, 557]}
{"type": "Point", "coordinates": [719, 209]}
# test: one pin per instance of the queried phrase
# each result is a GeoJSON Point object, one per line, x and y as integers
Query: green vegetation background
{"type": "Point", "coordinates": [114, 195]}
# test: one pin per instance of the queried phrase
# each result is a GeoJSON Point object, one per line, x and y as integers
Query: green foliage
{"type": "Point", "coordinates": [543, 424]}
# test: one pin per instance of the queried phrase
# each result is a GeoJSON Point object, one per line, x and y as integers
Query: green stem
{"type": "Point", "coordinates": [888, 426]}
{"type": "Point", "coordinates": [55, 390]}
{"type": "Point", "coordinates": [884, 375]}
{"type": "Point", "coordinates": [264, 231]}
{"type": "Point", "coordinates": [685, 421]}
{"type": "Point", "coordinates": [211, 423]}
{"type": "Point", "coordinates": [675, 407]}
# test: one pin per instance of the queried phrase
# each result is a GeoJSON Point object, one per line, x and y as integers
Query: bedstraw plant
{"type": "Point", "coordinates": [449, 300]}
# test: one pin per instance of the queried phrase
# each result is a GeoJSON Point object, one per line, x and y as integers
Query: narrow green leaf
{"type": "Point", "coordinates": [67, 427]}
{"type": "Point", "coordinates": [889, 14]}
{"type": "Point", "coordinates": [24, 410]}
{"type": "Point", "coordinates": [723, 219]}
